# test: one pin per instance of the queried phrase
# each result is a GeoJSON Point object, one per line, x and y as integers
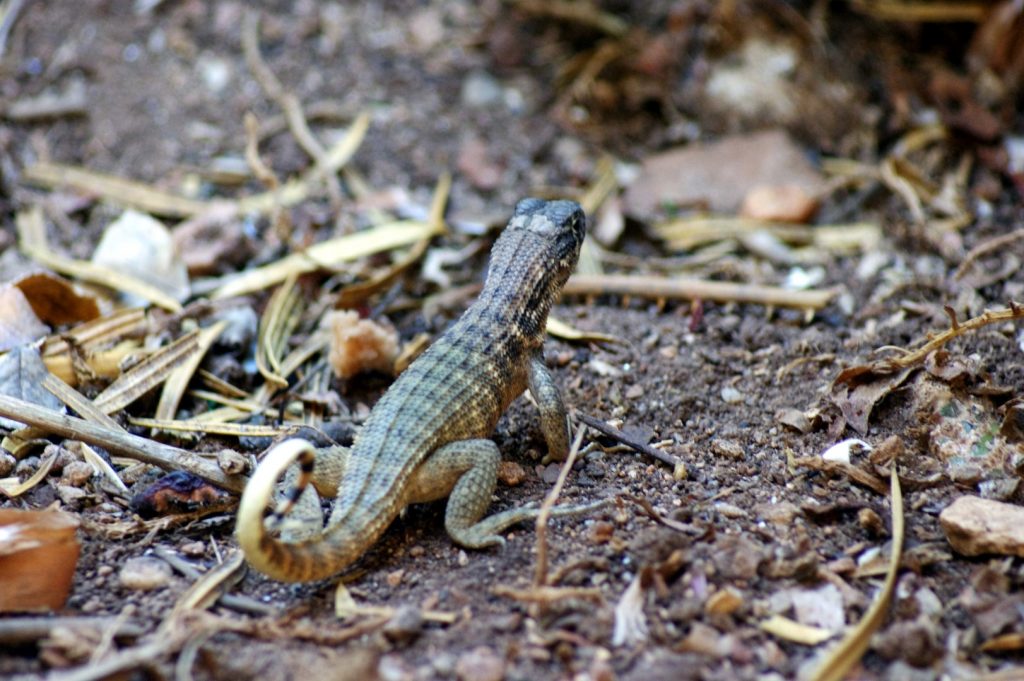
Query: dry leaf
{"type": "Point", "coordinates": [38, 555]}
{"type": "Point", "coordinates": [141, 246]}
{"type": "Point", "coordinates": [55, 300]}
{"type": "Point", "coordinates": [22, 374]}
{"type": "Point", "coordinates": [19, 324]}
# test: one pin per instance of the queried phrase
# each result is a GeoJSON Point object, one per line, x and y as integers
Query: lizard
{"type": "Point", "coordinates": [427, 437]}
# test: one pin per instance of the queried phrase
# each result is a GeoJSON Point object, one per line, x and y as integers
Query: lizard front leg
{"type": "Point", "coordinates": [467, 473]}
{"type": "Point", "coordinates": [554, 422]}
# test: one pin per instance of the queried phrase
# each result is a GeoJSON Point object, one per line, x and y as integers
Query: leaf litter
{"type": "Point", "coordinates": [704, 587]}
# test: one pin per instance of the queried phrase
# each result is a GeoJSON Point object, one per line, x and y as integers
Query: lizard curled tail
{"type": "Point", "coordinates": [427, 437]}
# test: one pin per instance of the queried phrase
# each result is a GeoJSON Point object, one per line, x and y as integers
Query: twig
{"type": "Point", "coordinates": [541, 574]}
{"type": "Point", "coordinates": [986, 247]}
{"type": "Point", "coordinates": [546, 595]}
{"type": "Point", "coordinates": [288, 102]}
{"type": "Point", "coordinates": [645, 286]}
{"type": "Point", "coordinates": [915, 357]}
{"type": "Point", "coordinates": [125, 444]}
{"type": "Point", "coordinates": [11, 10]}
{"type": "Point", "coordinates": [619, 436]}
{"type": "Point", "coordinates": [19, 630]}
{"type": "Point", "coordinates": [235, 602]}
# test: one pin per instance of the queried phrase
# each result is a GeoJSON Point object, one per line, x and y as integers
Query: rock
{"type": "Point", "coordinates": [480, 664]}
{"type": "Point", "coordinates": [821, 607]}
{"type": "Point", "coordinates": [975, 526]}
{"type": "Point", "coordinates": [481, 90]}
{"type": "Point", "coordinates": [405, 626]}
{"type": "Point", "coordinates": [783, 203]}
{"type": "Point", "coordinates": [144, 574]}
{"type": "Point", "coordinates": [77, 473]}
{"type": "Point", "coordinates": [719, 175]}
{"type": "Point", "coordinates": [724, 602]}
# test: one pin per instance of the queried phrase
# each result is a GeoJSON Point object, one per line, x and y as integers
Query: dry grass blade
{"type": "Point", "coordinates": [147, 374]}
{"type": "Point", "coordinates": [923, 10]}
{"type": "Point", "coordinates": [176, 384]}
{"type": "Point", "coordinates": [207, 428]}
{"type": "Point", "coordinates": [119, 442]}
{"type": "Point", "coordinates": [117, 189]}
{"type": "Point", "coordinates": [680, 288]}
{"type": "Point", "coordinates": [93, 458]}
{"type": "Point", "coordinates": [211, 586]}
{"type": "Point", "coordinates": [79, 402]}
{"type": "Point", "coordinates": [788, 630]}
{"type": "Point", "coordinates": [129, 322]}
{"type": "Point", "coordinates": [689, 233]}
{"type": "Point", "coordinates": [32, 240]}
{"type": "Point", "coordinates": [10, 487]}
{"type": "Point", "coordinates": [851, 648]}
{"type": "Point", "coordinates": [354, 294]}
{"type": "Point", "coordinates": [540, 576]}
{"type": "Point", "coordinates": [560, 329]}
{"type": "Point", "coordinates": [278, 322]}
{"type": "Point", "coordinates": [582, 13]}
{"type": "Point", "coordinates": [327, 255]}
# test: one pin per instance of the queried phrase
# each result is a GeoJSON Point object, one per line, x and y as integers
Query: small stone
{"type": "Point", "coordinates": [976, 526]}
{"type": "Point", "coordinates": [104, 570]}
{"type": "Point", "coordinates": [77, 473]}
{"type": "Point", "coordinates": [394, 578]}
{"type": "Point", "coordinates": [480, 664]}
{"type": "Point", "coordinates": [145, 574]}
{"type": "Point", "coordinates": [71, 496]}
{"type": "Point", "coordinates": [481, 90]}
{"type": "Point", "coordinates": [231, 462]}
{"type": "Point", "coordinates": [193, 549]}
{"type": "Point", "coordinates": [634, 391]}
{"type": "Point", "coordinates": [549, 473]}
{"type": "Point", "coordinates": [405, 625]}
{"type": "Point", "coordinates": [821, 607]}
{"type": "Point", "coordinates": [727, 448]}
{"type": "Point", "coordinates": [782, 513]}
{"type": "Point", "coordinates": [724, 601]}
{"type": "Point", "coordinates": [417, 551]}
{"type": "Point", "coordinates": [731, 395]}
{"type": "Point", "coordinates": [7, 463]}
{"type": "Point", "coordinates": [871, 522]}
{"type": "Point", "coordinates": [511, 473]}
{"type": "Point", "coordinates": [462, 559]}
{"type": "Point", "coordinates": [783, 203]}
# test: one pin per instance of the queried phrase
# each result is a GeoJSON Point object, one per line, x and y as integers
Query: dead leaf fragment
{"type": "Point", "coordinates": [718, 175]}
{"type": "Point", "coordinates": [22, 374]}
{"type": "Point", "coordinates": [19, 324]}
{"type": "Point", "coordinates": [359, 345]}
{"type": "Point", "coordinates": [38, 555]}
{"type": "Point", "coordinates": [858, 389]}
{"type": "Point", "coordinates": [55, 300]}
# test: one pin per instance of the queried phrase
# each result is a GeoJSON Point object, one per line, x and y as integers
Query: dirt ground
{"type": "Point", "coordinates": [742, 394]}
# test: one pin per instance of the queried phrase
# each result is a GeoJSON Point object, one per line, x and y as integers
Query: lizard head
{"type": "Point", "coordinates": [560, 223]}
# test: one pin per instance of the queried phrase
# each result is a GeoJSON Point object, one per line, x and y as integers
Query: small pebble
{"type": "Point", "coordinates": [193, 549]}
{"type": "Point", "coordinates": [731, 395]}
{"type": "Point", "coordinates": [405, 626]}
{"type": "Point", "coordinates": [481, 90]}
{"type": "Point", "coordinates": [144, 574]}
{"type": "Point", "coordinates": [394, 578]}
{"type": "Point", "coordinates": [77, 473]}
{"type": "Point", "coordinates": [480, 664]}
{"type": "Point", "coordinates": [463, 559]}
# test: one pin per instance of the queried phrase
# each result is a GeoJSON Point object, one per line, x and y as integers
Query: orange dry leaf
{"type": "Point", "coordinates": [38, 554]}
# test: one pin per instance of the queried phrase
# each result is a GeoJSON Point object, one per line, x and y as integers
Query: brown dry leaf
{"type": "Point", "coordinates": [38, 555]}
{"type": "Point", "coordinates": [19, 324]}
{"type": "Point", "coordinates": [147, 374]}
{"type": "Point", "coordinates": [55, 301]}
{"type": "Point", "coordinates": [22, 374]}
{"type": "Point", "coordinates": [718, 175]}
{"type": "Point", "coordinates": [858, 389]}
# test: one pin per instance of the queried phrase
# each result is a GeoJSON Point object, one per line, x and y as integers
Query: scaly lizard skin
{"type": "Point", "coordinates": [426, 438]}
